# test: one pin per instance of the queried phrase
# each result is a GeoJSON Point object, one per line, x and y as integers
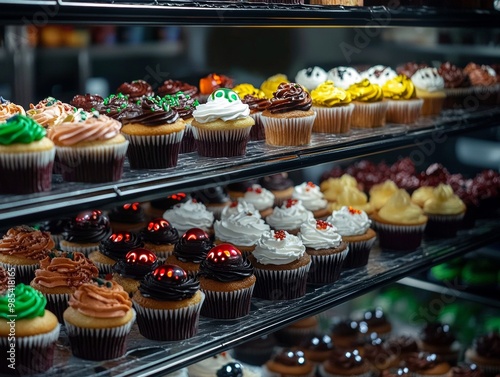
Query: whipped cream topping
{"type": "Point", "coordinates": [344, 77]}
{"type": "Point", "coordinates": [428, 79]}
{"type": "Point", "coordinates": [243, 229]}
{"type": "Point", "coordinates": [239, 206]}
{"type": "Point", "coordinates": [190, 214]}
{"type": "Point", "coordinates": [310, 195]}
{"type": "Point", "coordinates": [222, 104]}
{"type": "Point", "coordinates": [278, 248]}
{"type": "Point", "coordinates": [379, 74]}
{"type": "Point", "coordinates": [289, 216]}
{"type": "Point", "coordinates": [319, 234]}
{"type": "Point", "coordinates": [311, 77]}
{"type": "Point", "coordinates": [260, 197]}
{"type": "Point", "coordinates": [349, 221]}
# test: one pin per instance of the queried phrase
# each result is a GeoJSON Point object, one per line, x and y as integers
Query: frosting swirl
{"type": "Point", "coordinates": [156, 111]}
{"type": "Point", "coordinates": [9, 109]}
{"type": "Point", "coordinates": [399, 88]}
{"type": "Point", "coordinates": [349, 221]}
{"type": "Point", "coordinates": [159, 232]}
{"type": "Point", "coordinates": [221, 104]}
{"type": "Point", "coordinates": [380, 193]}
{"type": "Point", "coordinates": [101, 299]}
{"type": "Point", "coordinates": [183, 103]}
{"type": "Point", "coordinates": [428, 79]}
{"type": "Point", "coordinates": [365, 91]}
{"type": "Point", "coordinates": [278, 248]}
{"type": "Point", "coordinates": [311, 77]}
{"type": "Point", "coordinates": [399, 209]}
{"type": "Point", "coordinates": [4, 280]}
{"type": "Point", "coordinates": [136, 90]}
{"type": "Point", "coordinates": [51, 112]}
{"type": "Point", "coordinates": [239, 206]}
{"type": "Point", "coordinates": [190, 214]}
{"type": "Point", "coordinates": [480, 75]}
{"type": "Point", "coordinates": [379, 74]}
{"type": "Point", "coordinates": [130, 213]}
{"type": "Point", "coordinates": [119, 244]}
{"type": "Point", "coordinates": [87, 102]}
{"type": "Point", "coordinates": [353, 197]}
{"type": "Point", "coordinates": [488, 345]}
{"type": "Point", "coordinates": [444, 201]}
{"type": "Point", "coordinates": [290, 97]}
{"type": "Point", "coordinates": [333, 187]}
{"type": "Point", "coordinates": [173, 87]}
{"type": "Point", "coordinates": [344, 77]}
{"type": "Point", "coordinates": [310, 196]}
{"type": "Point", "coordinates": [319, 234]}
{"type": "Point", "coordinates": [241, 228]}
{"type": "Point", "coordinates": [270, 85]}
{"type": "Point", "coordinates": [169, 283]}
{"type": "Point", "coordinates": [88, 227]}
{"type": "Point", "coordinates": [289, 216]}
{"type": "Point", "coordinates": [20, 129]}
{"type": "Point", "coordinates": [290, 357]}
{"type": "Point", "coordinates": [327, 95]}
{"type": "Point", "coordinates": [256, 104]}
{"type": "Point", "coordinates": [260, 197]}
{"type": "Point", "coordinates": [193, 246]}
{"type": "Point", "coordinates": [437, 334]}
{"type": "Point", "coordinates": [421, 195]}
{"type": "Point", "coordinates": [28, 303]}
{"type": "Point", "coordinates": [65, 270]}
{"type": "Point", "coordinates": [117, 106]}
{"type": "Point", "coordinates": [26, 242]}
{"type": "Point", "coordinates": [225, 263]}
{"type": "Point", "coordinates": [453, 76]}
{"type": "Point", "coordinates": [136, 264]}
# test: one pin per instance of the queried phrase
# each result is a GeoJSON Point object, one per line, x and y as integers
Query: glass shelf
{"type": "Point", "coordinates": [146, 357]}
{"type": "Point", "coordinates": [195, 172]}
{"type": "Point", "coordinates": [238, 13]}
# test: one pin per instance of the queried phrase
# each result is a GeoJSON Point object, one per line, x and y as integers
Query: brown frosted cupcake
{"type": "Point", "coordinates": [257, 102]}
{"type": "Point", "coordinates": [484, 83]}
{"type": "Point", "coordinates": [402, 345]}
{"type": "Point", "coordinates": [129, 217]}
{"type": "Point", "coordinates": [185, 104]}
{"type": "Point", "coordinates": [156, 208]}
{"type": "Point", "coordinates": [485, 353]}
{"type": "Point", "coordinates": [136, 90]}
{"type": "Point", "coordinates": [377, 352]}
{"type": "Point", "coordinates": [280, 266]}
{"type": "Point", "coordinates": [298, 331]}
{"type": "Point", "coordinates": [438, 338]}
{"type": "Point", "coordinates": [168, 304]}
{"type": "Point", "coordinates": [280, 185]}
{"type": "Point", "coordinates": [214, 198]}
{"type": "Point", "coordinates": [317, 348]}
{"type": "Point", "coordinates": [289, 362]}
{"type": "Point", "coordinates": [227, 280]}
{"type": "Point", "coordinates": [457, 85]}
{"type": "Point", "coordinates": [345, 363]}
{"type": "Point", "coordinates": [369, 105]}
{"type": "Point", "coordinates": [59, 275]}
{"type": "Point", "coordinates": [375, 321]}
{"type": "Point", "coordinates": [426, 364]}
{"type": "Point", "coordinates": [289, 119]}
{"type": "Point", "coordinates": [345, 334]}
{"type": "Point", "coordinates": [22, 248]}
{"type": "Point", "coordinates": [172, 87]}
{"type": "Point", "coordinates": [160, 237]}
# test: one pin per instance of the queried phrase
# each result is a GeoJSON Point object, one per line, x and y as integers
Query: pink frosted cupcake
{"type": "Point", "coordinates": [50, 112]}
{"type": "Point", "coordinates": [369, 105]}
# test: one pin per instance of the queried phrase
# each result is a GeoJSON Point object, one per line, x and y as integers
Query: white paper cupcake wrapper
{"type": "Point", "coordinates": [324, 373]}
{"type": "Point", "coordinates": [326, 268]}
{"type": "Point", "coordinates": [333, 120]}
{"type": "Point", "coordinates": [40, 340]}
{"type": "Point", "coordinates": [155, 140]}
{"type": "Point", "coordinates": [227, 305]}
{"type": "Point", "coordinates": [404, 111]}
{"type": "Point", "coordinates": [80, 249]}
{"type": "Point", "coordinates": [21, 161]}
{"type": "Point", "coordinates": [24, 273]}
{"type": "Point", "coordinates": [369, 115]}
{"type": "Point", "coordinates": [288, 131]}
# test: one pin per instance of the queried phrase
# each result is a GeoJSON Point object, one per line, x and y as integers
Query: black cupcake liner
{"type": "Point", "coordinates": [227, 305]}
{"type": "Point", "coordinates": [281, 284]}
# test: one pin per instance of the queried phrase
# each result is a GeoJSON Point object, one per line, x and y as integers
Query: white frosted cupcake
{"type": "Point", "coordinates": [190, 214]}
{"type": "Point", "coordinates": [343, 77]}
{"type": "Point", "coordinates": [290, 216]}
{"type": "Point", "coordinates": [280, 265]}
{"type": "Point", "coordinates": [354, 227]}
{"type": "Point", "coordinates": [238, 206]}
{"type": "Point", "coordinates": [261, 198]}
{"type": "Point", "coordinates": [326, 248]}
{"type": "Point", "coordinates": [311, 77]}
{"type": "Point", "coordinates": [379, 74]}
{"type": "Point", "coordinates": [430, 87]}
{"type": "Point", "coordinates": [312, 199]}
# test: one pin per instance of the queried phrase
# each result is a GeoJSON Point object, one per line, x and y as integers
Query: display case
{"type": "Point", "coordinates": [147, 357]}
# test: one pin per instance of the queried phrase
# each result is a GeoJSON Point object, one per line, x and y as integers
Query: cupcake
{"type": "Point", "coordinates": [227, 280]}
{"type": "Point", "coordinates": [380, 193]}
{"type": "Point", "coordinates": [257, 102]}
{"type": "Point", "coordinates": [191, 249]}
{"type": "Point", "coordinates": [168, 304]}
{"type": "Point", "coordinates": [402, 345]}
{"type": "Point", "coordinates": [129, 217]}
{"type": "Point", "coordinates": [237, 190]}
{"type": "Point", "coordinates": [22, 248]}
{"type": "Point", "coordinates": [485, 353]}
{"type": "Point", "coordinates": [136, 90]}
{"type": "Point", "coordinates": [403, 105]}
{"type": "Point", "coordinates": [261, 198]}
{"type": "Point", "coordinates": [239, 206]}
{"type": "Point", "coordinates": [9, 109]}
{"type": "Point", "coordinates": [221, 127]}
{"type": "Point", "coordinates": [190, 214]}
{"type": "Point", "coordinates": [113, 249]}
{"type": "Point", "coordinates": [214, 198]}
{"type": "Point", "coordinates": [242, 229]}
{"type": "Point", "coordinates": [154, 134]}
{"type": "Point", "coordinates": [213, 82]}
{"type": "Point", "coordinates": [343, 77]}
{"type": "Point", "coordinates": [438, 338]}
{"type": "Point", "coordinates": [98, 320]}
{"type": "Point", "coordinates": [326, 249]}
{"type": "Point", "coordinates": [172, 87]}
{"type": "Point", "coordinates": [157, 207]}
{"type": "Point", "coordinates": [466, 369]}
{"type": "Point", "coordinates": [56, 228]}
{"type": "Point", "coordinates": [354, 227]}
{"type": "Point", "coordinates": [333, 187]}
{"type": "Point", "coordinates": [484, 82]}
{"type": "Point", "coordinates": [26, 156]}
{"type": "Point", "coordinates": [317, 348]}
{"type": "Point", "coordinates": [129, 271]}
{"type": "Point", "coordinates": [288, 362]}
{"type": "Point", "coordinates": [310, 78]}
{"type": "Point", "coordinates": [445, 212]}
{"type": "Point", "coordinates": [116, 106]}
{"type": "Point", "coordinates": [375, 321]}
{"type": "Point", "coordinates": [85, 231]}
{"type": "Point", "coordinates": [36, 332]}
{"type": "Point", "coordinates": [345, 363]}
{"type": "Point", "coordinates": [312, 199]}
{"type": "Point", "coordinates": [430, 87]}
{"type": "Point", "coordinates": [160, 237]}
{"type": "Point", "coordinates": [378, 74]}
{"type": "Point", "coordinates": [408, 69]}
{"type": "Point", "coordinates": [400, 224]}
{"type": "Point", "coordinates": [184, 104]}
{"type": "Point", "coordinates": [255, 352]}
{"type": "Point", "coordinates": [91, 150]}
{"type": "Point", "coordinates": [369, 105]}
{"type": "Point", "coordinates": [88, 102]}
{"type": "Point", "coordinates": [220, 365]}
{"type": "Point", "coordinates": [298, 331]}
{"type": "Point", "coordinates": [421, 195]}
{"type": "Point", "coordinates": [280, 185]}
{"type": "Point", "coordinates": [377, 352]}
{"type": "Point", "coordinates": [50, 112]}
{"type": "Point", "coordinates": [289, 118]}
{"type": "Point", "coordinates": [280, 266]}
{"type": "Point", "coordinates": [352, 197]}
{"type": "Point", "coordinates": [333, 109]}
{"type": "Point", "coordinates": [59, 275]}
{"type": "Point", "coordinates": [290, 216]}
{"type": "Point", "coordinates": [426, 364]}
{"type": "Point", "coordinates": [270, 85]}
{"type": "Point", "coordinates": [457, 85]}
{"type": "Point", "coordinates": [345, 334]}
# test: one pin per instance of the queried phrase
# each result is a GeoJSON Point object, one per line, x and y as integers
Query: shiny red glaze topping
{"type": "Point", "coordinates": [354, 211]}
{"type": "Point", "coordinates": [310, 186]}
{"type": "Point", "coordinates": [322, 224]}
{"type": "Point", "coordinates": [223, 253]}
{"type": "Point", "coordinates": [92, 215]}
{"type": "Point", "coordinates": [233, 204]}
{"type": "Point", "coordinates": [170, 272]}
{"type": "Point", "coordinates": [291, 202]}
{"type": "Point", "coordinates": [195, 234]}
{"type": "Point", "coordinates": [140, 256]}
{"type": "Point", "coordinates": [120, 237]}
{"type": "Point", "coordinates": [158, 224]}
{"type": "Point", "coordinates": [180, 196]}
{"type": "Point", "coordinates": [257, 189]}
{"type": "Point", "coordinates": [280, 235]}
{"type": "Point", "coordinates": [133, 206]}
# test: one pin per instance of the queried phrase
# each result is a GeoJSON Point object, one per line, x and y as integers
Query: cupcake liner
{"type": "Point", "coordinates": [326, 268]}
{"type": "Point", "coordinates": [288, 131]}
{"type": "Point", "coordinates": [404, 111]}
{"type": "Point", "coordinates": [369, 114]}
{"type": "Point", "coordinates": [154, 151]}
{"type": "Point", "coordinates": [56, 238]}
{"type": "Point", "coordinates": [24, 273]}
{"type": "Point", "coordinates": [57, 304]}
{"type": "Point", "coordinates": [188, 143]}
{"type": "Point", "coordinates": [399, 237]}
{"type": "Point", "coordinates": [456, 98]}
{"type": "Point", "coordinates": [281, 284]}
{"type": "Point", "coordinates": [104, 268]}
{"type": "Point", "coordinates": [86, 250]}
{"type": "Point", "coordinates": [33, 354]}
{"type": "Point", "coordinates": [221, 143]}
{"type": "Point", "coordinates": [227, 305]}
{"type": "Point", "coordinates": [324, 373]}
{"type": "Point", "coordinates": [174, 324]}
{"type": "Point", "coordinates": [27, 172]}
{"type": "Point", "coordinates": [99, 344]}
{"type": "Point", "coordinates": [486, 95]}
{"type": "Point", "coordinates": [359, 252]}
{"type": "Point", "coordinates": [432, 105]}
{"type": "Point", "coordinates": [257, 132]}
{"type": "Point", "coordinates": [93, 164]}
{"type": "Point", "coordinates": [443, 226]}
{"type": "Point", "coordinates": [333, 120]}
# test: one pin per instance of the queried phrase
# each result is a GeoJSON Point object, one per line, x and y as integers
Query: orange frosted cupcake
{"type": "Point", "coordinates": [369, 105]}
{"type": "Point", "coordinates": [50, 112]}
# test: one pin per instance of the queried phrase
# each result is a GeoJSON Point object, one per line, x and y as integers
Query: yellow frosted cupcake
{"type": "Point", "coordinates": [333, 109]}
{"type": "Point", "coordinates": [352, 197]}
{"type": "Point", "coordinates": [270, 85]}
{"type": "Point", "coordinates": [445, 211]}
{"type": "Point", "coordinates": [421, 195]}
{"type": "Point", "coordinates": [400, 224]}
{"type": "Point", "coordinates": [333, 187]}
{"type": "Point", "coordinates": [369, 105]}
{"type": "Point", "coordinates": [381, 193]}
{"type": "Point", "coordinates": [403, 105]}
{"type": "Point", "coordinates": [430, 87]}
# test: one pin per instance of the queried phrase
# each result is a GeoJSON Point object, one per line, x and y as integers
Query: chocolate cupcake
{"type": "Point", "coordinates": [117, 106]}
{"type": "Point", "coordinates": [402, 345]}
{"type": "Point", "coordinates": [87, 102]}
{"type": "Point", "coordinates": [289, 362]}
{"type": "Point", "coordinates": [160, 237]}
{"type": "Point", "coordinates": [426, 364]}
{"type": "Point", "coordinates": [438, 338]}
{"type": "Point", "coordinates": [136, 90]}
{"type": "Point", "coordinates": [280, 185]}
{"type": "Point", "coordinates": [466, 370]}
{"type": "Point", "coordinates": [345, 363]}
{"type": "Point", "coordinates": [172, 87]}
{"type": "Point", "coordinates": [317, 348]}
{"type": "Point", "coordinates": [457, 85]}
{"type": "Point", "coordinates": [214, 198]}
{"type": "Point", "coordinates": [56, 228]}
{"type": "Point", "coordinates": [345, 334]}
{"type": "Point", "coordinates": [158, 207]}
{"type": "Point", "coordinates": [379, 354]}
{"type": "Point", "coordinates": [375, 321]}
{"type": "Point", "coordinates": [129, 217]}
{"type": "Point", "coordinates": [485, 353]}
{"type": "Point", "coordinates": [185, 105]}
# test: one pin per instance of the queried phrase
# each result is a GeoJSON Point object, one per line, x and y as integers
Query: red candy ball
{"type": "Point", "coordinates": [223, 254]}
{"type": "Point", "coordinates": [170, 272]}
{"type": "Point", "coordinates": [195, 234]}
{"type": "Point", "coordinates": [94, 216]}
{"type": "Point", "coordinates": [141, 256]}
{"type": "Point", "coordinates": [120, 237]}
{"type": "Point", "coordinates": [132, 206]}
{"type": "Point", "coordinates": [158, 224]}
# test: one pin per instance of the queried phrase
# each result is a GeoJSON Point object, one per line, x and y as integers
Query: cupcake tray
{"type": "Point", "coordinates": [146, 357]}
{"type": "Point", "coordinates": [193, 172]}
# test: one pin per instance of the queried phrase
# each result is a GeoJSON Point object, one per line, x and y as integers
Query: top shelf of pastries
{"type": "Point", "coordinates": [258, 13]}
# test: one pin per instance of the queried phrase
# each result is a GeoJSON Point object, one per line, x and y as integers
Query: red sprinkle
{"type": "Point", "coordinates": [354, 211]}
{"type": "Point", "coordinates": [322, 224]}
{"type": "Point", "coordinates": [291, 202]}
{"type": "Point", "coordinates": [280, 235]}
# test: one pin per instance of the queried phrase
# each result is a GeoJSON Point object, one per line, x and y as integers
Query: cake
{"type": "Point", "coordinates": [430, 87]}
{"type": "Point", "coordinates": [485, 353]}
{"type": "Point", "coordinates": [403, 105]}
{"type": "Point", "coordinates": [312, 199]}
{"type": "Point", "coordinates": [288, 121]}
{"type": "Point", "coordinates": [343, 77]}
{"type": "Point", "coordinates": [288, 362]}
{"type": "Point", "coordinates": [136, 90]}
{"type": "Point", "coordinates": [290, 216]}
{"type": "Point", "coordinates": [369, 105]}
{"type": "Point", "coordinates": [114, 249]}
{"type": "Point", "coordinates": [190, 214]}
{"type": "Point", "coordinates": [261, 198]}
{"type": "Point", "coordinates": [438, 338]}
{"type": "Point", "coordinates": [129, 217]}
{"type": "Point", "coordinates": [345, 363]}
{"type": "Point", "coordinates": [227, 280]}
{"type": "Point", "coordinates": [311, 77]}
{"type": "Point", "coordinates": [168, 304]}
{"type": "Point", "coordinates": [280, 266]}
{"type": "Point", "coordinates": [160, 237]}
